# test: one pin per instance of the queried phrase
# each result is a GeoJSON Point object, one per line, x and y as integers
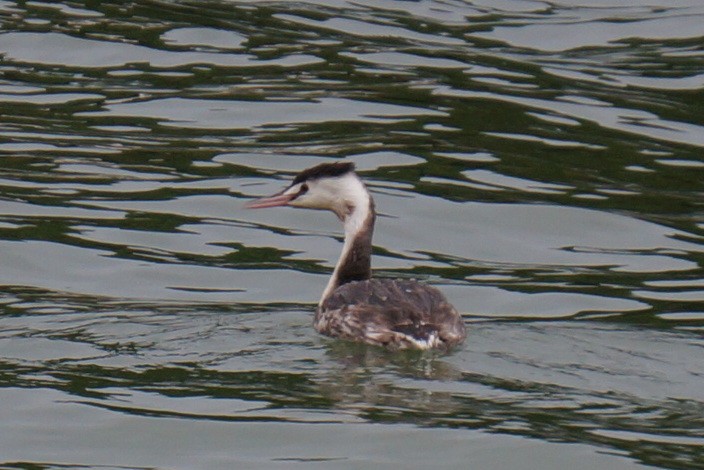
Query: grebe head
{"type": "Point", "coordinates": [328, 186]}
{"type": "Point", "coordinates": [335, 187]}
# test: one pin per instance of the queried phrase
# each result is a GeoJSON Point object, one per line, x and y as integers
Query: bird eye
{"type": "Point", "coordinates": [303, 190]}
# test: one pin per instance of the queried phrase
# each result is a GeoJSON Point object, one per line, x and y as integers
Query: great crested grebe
{"type": "Point", "coordinates": [395, 313]}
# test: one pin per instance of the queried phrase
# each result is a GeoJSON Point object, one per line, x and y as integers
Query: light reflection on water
{"type": "Point", "coordinates": [540, 163]}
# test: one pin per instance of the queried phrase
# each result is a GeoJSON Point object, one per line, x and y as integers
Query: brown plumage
{"type": "Point", "coordinates": [397, 314]}
{"type": "Point", "coordinates": [393, 313]}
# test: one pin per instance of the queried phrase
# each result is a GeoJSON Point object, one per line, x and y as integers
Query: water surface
{"type": "Point", "coordinates": [541, 163]}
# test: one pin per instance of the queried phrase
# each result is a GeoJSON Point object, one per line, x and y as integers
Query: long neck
{"type": "Point", "coordinates": [355, 260]}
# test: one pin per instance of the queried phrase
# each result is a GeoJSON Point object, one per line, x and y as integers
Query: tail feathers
{"type": "Point", "coordinates": [419, 331]}
{"type": "Point", "coordinates": [422, 336]}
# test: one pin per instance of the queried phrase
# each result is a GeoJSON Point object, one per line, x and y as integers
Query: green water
{"type": "Point", "coordinates": [541, 163]}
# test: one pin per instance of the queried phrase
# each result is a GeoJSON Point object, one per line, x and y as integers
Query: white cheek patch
{"type": "Point", "coordinates": [337, 194]}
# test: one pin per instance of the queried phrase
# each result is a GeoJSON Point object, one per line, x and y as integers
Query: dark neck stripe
{"type": "Point", "coordinates": [356, 265]}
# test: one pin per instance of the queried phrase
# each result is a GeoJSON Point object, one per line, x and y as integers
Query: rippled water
{"type": "Point", "coordinates": [540, 162]}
